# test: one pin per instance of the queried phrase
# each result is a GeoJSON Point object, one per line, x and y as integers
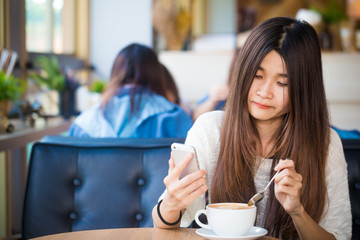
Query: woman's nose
{"type": "Point", "coordinates": [265, 90]}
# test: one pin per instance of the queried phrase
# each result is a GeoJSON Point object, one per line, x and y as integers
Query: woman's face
{"type": "Point", "coordinates": [268, 98]}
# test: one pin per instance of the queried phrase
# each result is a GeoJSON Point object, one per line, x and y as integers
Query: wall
{"type": "Point", "coordinates": [115, 24]}
{"type": "Point", "coordinates": [342, 85]}
{"type": "Point", "coordinates": [196, 72]}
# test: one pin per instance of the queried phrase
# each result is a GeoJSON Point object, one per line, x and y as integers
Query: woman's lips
{"type": "Point", "coordinates": [262, 106]}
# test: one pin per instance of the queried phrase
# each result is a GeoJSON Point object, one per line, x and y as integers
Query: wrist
{"type": "Point", "coordinates": [297, 212]}
{"type": "Point", "coordinates": [161, 214]}
{"type": "Point", "coordinates": [167, 207]}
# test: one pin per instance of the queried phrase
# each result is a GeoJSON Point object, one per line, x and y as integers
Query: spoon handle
{"type": "Point", "coordinates": [272, 179]}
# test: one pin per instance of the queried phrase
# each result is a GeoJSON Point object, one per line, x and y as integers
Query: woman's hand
{"type": "Point", "coordinates": [288, 184]}
{"type": "Point", "coordinates": [182, 192]}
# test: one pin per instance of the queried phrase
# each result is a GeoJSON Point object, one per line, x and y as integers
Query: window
{"type": "Point", "coordinates": [50, 26]}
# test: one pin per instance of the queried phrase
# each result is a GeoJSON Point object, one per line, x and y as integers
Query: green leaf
{"type": "Point", "coordinates": [98, 86]}
{"type": "Point", "coordinates": [11, 88]}
{"type": "Point", "coordinates": [332, 12]}
{"type": "Point", "coordinates": [50, 74]}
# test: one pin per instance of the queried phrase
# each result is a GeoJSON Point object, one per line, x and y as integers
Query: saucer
{"type": "Point", "coordinates": [254, 233]}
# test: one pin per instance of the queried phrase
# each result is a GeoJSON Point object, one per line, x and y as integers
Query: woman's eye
{"type": "Point", "coordinates": [258, 76]}
{"type": "Point", "coordinates": [282, 84]}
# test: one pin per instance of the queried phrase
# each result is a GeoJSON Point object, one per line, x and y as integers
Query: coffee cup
{"type": "Point", "coordinates": [228, 219]}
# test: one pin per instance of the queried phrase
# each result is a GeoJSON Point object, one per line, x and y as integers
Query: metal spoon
{"type": "Point", "coordinates": [258, 196]}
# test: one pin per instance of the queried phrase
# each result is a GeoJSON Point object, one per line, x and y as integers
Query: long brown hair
{"type": "Point", "coordinates": [302, 137]}
{"type": "Point", "coordinates": [138, 65]}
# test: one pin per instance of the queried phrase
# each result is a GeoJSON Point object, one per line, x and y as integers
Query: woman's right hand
{"type": "Point", "coordinates": [182, 192]}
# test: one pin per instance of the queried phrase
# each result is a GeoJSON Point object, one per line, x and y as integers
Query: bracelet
{"type": "Point", "coordinates": [162, 219]}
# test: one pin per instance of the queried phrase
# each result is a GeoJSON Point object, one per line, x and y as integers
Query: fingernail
{"type": "Point", "coordinates": [276, 167]}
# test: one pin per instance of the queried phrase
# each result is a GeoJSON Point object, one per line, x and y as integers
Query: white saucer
{"type": "Point", "coordinates": [254, 233]}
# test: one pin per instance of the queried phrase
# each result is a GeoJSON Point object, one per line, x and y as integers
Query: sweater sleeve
{"type": "Point", "coordinates": [204, 136]}
{"type": "Point", "coordinates": [337, 212]}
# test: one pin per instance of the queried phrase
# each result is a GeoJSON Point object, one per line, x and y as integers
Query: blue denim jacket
{"type": "Point", "coordinates": [154, 117]}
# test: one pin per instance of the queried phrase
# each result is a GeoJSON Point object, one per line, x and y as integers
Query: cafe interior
{"type": "Point", "coordinates": [58, 54]}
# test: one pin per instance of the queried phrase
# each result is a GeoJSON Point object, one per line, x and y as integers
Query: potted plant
{"type": "Point", "coordinates": [50, 76]}
{"type": "Point", "coordinates": [11, 89]}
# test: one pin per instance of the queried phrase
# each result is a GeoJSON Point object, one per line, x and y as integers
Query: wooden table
{"type": "Point", "coordinates": [131, 234]}
{"type": "Point", "coordinates": [15, 147]}
{"type": "Point", "coordinates": [24, 135]}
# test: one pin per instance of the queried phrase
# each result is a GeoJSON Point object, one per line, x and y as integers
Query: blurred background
{"type": "Point", "coordinates": [195, 39]}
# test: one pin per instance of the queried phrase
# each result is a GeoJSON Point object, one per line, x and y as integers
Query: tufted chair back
{"type": "Point", "coordinates": [352, 155]}
{"type": "Point", "coordinates": [78, 184]}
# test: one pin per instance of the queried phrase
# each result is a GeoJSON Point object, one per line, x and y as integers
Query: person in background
{"type": "Point", "coordinates": [137, 102]}
{"type": "Point", "coordinates": [275, 120]}
{"type": "Point", "coordinates": [217, 96]}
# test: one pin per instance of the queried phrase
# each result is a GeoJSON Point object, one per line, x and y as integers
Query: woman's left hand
{"type": "Point", "coordinates": [288, 184]}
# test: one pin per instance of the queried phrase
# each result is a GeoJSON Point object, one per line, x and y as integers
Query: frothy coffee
{"type": "Point", "coordinates": [230, 206]}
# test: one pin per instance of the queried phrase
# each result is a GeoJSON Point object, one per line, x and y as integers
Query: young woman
{"type": "Point", "coordinates": [275, 119]}
{"type": "Point", "coordinates": [137, 101]}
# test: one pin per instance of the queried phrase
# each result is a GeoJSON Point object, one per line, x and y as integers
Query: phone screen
{"type": "Point", "coordinates": [180, 151]}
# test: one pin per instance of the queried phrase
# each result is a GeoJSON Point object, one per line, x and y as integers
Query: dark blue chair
{"type": "Point", "coordinates": [78, 184]}
{"type": "Point", "coordinates": [352, 155]}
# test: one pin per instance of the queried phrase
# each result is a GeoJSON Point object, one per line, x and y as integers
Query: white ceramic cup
{"type": "Point", "coordinates": [228, 219]}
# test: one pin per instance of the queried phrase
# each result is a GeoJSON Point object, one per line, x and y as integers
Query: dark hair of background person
{"type": "Point", "coordinates": [172, 89]}
{"type": "Point", "coordinates": [139, 65]}
{"type": "Point", "coordinates": [302, 137]}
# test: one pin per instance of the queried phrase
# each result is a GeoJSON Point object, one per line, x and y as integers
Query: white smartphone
{"type": "Point", "coordinates": [179, 151]}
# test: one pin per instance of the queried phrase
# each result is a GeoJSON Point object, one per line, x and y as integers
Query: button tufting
{"type": "Point", "coordinates": [139, 216]}
{"type": "Point", "coordinates": [73, 215]}
{"type": "Point", "coordinates": [76, 182]}
{"type": "Point", "coordinates": [357, 185]}
{"type": "Point", "coordinates": [141, 182]}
